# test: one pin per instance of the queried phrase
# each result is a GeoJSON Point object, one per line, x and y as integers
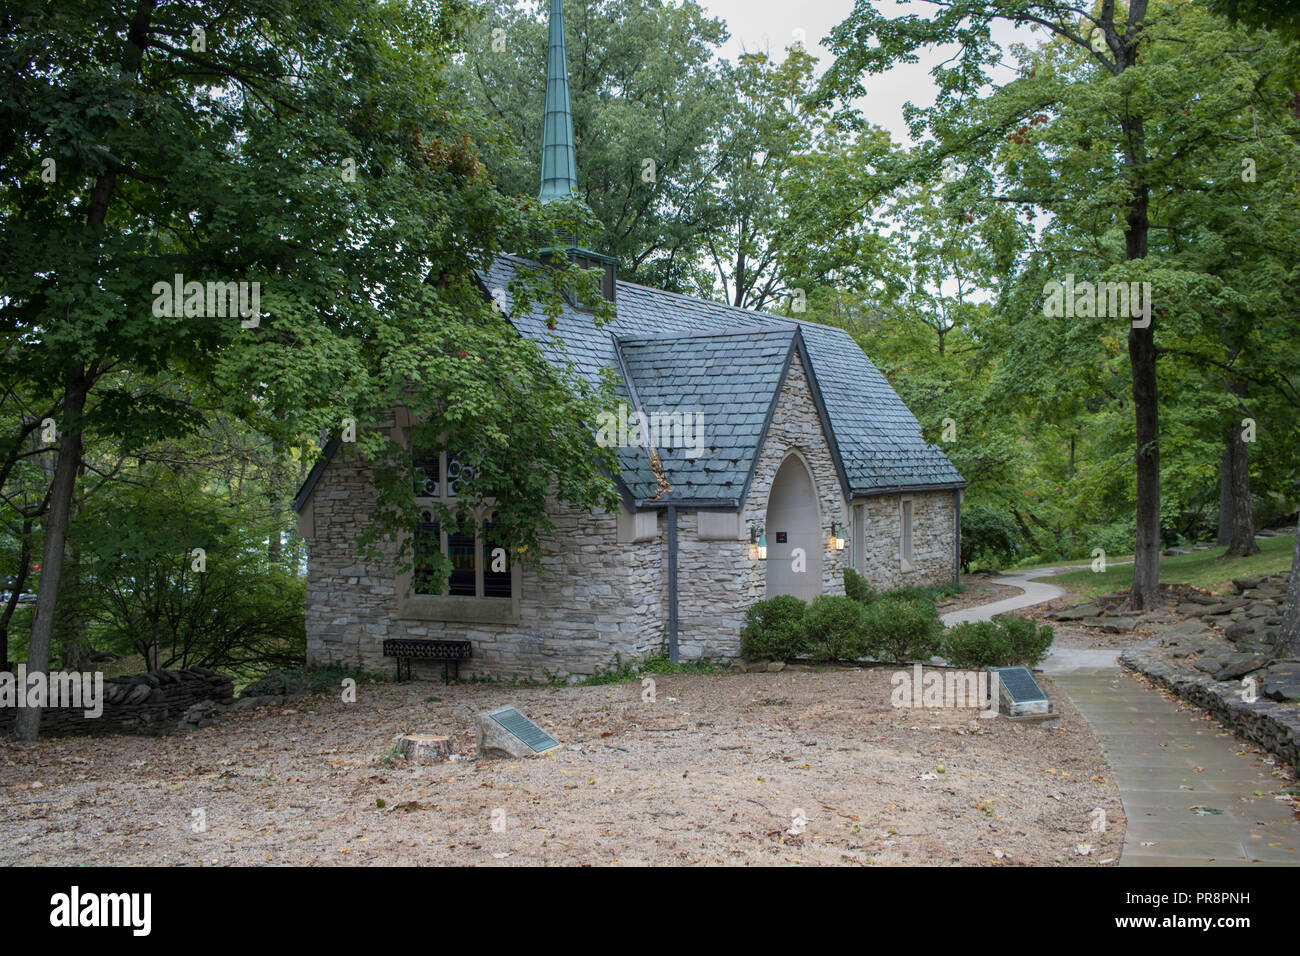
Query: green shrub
{"type": "Point", "coordinates": [939, 592]}
{"type": "Point", "coordinates": [774, 628]}
{"type": "Point", "coordinates": [621, 671]}
{"type": "Point", "coordinates": [903, 625]}
{"type": "Point", "coordinates": [833, 629]}
{"type": "Point", "coordinates": [988, 535]}
{"type": "Point", "coordinates": [975, 644]}
{"type": "Point", "coordinates": [1004, 642]}
{"type": "Point", "coordinates": [857, 588]}
{"type": "Point", "coordinates": [909, 594]}
{"type": "Point", "coordinates": [141, 589]}
{"type": "Point", "coordinates": [1027, 643]}
{"type": "Point", "coordinates": [618, 672]}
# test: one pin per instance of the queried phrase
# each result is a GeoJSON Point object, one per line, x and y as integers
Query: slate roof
{"type": "Point", "coordinates": [728, 363]}
{"type": "Point", "coordinates": [722, 384]}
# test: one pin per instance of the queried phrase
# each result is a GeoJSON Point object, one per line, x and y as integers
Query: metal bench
{"type": "Point", "coordinates": [406, 649]}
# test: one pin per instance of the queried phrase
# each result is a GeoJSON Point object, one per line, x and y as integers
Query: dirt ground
{"type": "Point", "coordinates": [715, 771]}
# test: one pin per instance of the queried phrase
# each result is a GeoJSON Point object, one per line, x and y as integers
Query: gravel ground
{"type": "Point", "coordinates": [713, 772]}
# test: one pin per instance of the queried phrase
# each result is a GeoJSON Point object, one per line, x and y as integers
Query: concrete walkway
{"type": "Point", "coordinates": [1035, 592]}
{"type": "Point", "coordinates": [1191, 795]}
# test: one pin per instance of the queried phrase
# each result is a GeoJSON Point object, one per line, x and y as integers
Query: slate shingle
{"type": "Point", "coordinates": [728, 360]}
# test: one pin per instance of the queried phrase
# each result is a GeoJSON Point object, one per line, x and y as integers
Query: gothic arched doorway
{"type": "Point", "coordinates": [793, 514]}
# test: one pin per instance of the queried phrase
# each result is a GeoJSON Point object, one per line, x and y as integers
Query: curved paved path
{"type": "Point", "coordinates": [1034, 593]}
{"type": "Point", "coordinates": [1191, 796]}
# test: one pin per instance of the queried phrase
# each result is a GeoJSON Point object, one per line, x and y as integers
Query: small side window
{"type": "Point", "coordinates": [906, 540]}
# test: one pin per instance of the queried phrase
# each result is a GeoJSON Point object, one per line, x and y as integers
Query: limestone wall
{"type": "Point", "coordinates": [141, 704]}
{"type": "Point", "coordinates": [934, 543]}
{"type": "Point", "coordinates": [587, 597]}
{"type": "Point", "coordinates": [1274, 726]}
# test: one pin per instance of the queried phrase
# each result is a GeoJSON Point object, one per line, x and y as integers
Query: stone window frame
{"type": "Point", "coordinates": [907, 533]}
{"type": "Point", "coordinates": [456, 608]}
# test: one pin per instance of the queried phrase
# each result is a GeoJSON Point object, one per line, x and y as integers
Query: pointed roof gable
{"type": "Point", "coordinates": [708, 397]}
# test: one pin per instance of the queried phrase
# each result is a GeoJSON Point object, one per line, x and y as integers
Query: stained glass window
{"type": "Point", "coordinates": [428, 541]}
{"type": "Point", "coordinates": [460, 550]}
{"type": "Point", "coordinates": [496, 583]}
{"type": "Point", "coordinates": [441, 475]}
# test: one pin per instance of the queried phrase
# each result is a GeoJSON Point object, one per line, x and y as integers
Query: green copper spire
{"type": "Point", "coordinates": [559, 164]}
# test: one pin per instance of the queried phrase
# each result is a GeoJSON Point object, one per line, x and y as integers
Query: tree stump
{"type": "Point", "coordinates": [424, 748]}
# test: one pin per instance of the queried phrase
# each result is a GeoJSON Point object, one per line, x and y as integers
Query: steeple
{"type": "Point", "coordinates": [559, 162]}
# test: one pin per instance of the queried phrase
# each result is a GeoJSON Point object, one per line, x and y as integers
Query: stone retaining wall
{"type": "Point", "coordinates": [1273, 726]}
{"type": "Point", "coordinates": [143, 704]}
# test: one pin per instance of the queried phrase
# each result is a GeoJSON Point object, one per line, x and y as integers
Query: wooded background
{"type": "Point", "coordinates": [359, 159]}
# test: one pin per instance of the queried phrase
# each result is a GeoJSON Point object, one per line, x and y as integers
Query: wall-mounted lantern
{"type": "Point", "coordinates": [758, 541]}
{"type": "Point", "coordinates": [837, 535]}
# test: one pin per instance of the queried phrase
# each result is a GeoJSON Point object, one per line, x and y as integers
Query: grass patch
{"type": "Point", "coordinates": [329, 677]}
{"type": "Point", "coordinates": [1205, 569]}
{"type": "Point", "coordinates": [621, 671]}
{"type": "Point", "coordinates": [941, 592]}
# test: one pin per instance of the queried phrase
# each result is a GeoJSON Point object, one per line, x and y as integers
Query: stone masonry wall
{"type": "Point", "coordinates": [587, 597]}
{"type": "Point", "coordinates": [934, 544]}
{"type": "Point", "coordinates": [1274, 726]}
{"type": "Point", "coordinates": [141, 704]}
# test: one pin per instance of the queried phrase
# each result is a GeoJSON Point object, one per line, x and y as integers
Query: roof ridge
{"type": "Point", "coordinates": [779, 329]}
{"type": "Point", "coordinates": [766, 316]}
{"type": "Point", "coordinates": [880, 444]}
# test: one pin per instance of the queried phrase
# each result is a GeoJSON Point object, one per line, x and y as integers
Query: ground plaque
{"type": "Point", "coordinates": [507, 732]}
{"type": "Point", "coordinates": [1019, 693]}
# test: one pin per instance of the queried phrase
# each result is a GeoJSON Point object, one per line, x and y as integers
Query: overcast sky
{"type": "Point", "coordinates": [771, 25]}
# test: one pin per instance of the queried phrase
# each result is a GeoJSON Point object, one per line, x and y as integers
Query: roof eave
{"type": "Point", "coordinates": [313, 476]}
{"type": "Point", "coordinates": [691, 504]}
{"type": "Point", "coordinates": [876, 492]}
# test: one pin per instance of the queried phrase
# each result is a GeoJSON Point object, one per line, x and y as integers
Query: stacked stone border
{"type": "Point", "coordinates": [1272, 725]}
{"type": "Point", "coordinates": [143, 704]}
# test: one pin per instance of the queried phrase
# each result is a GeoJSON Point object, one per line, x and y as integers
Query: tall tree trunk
{"type": "Point", "coordinates": [19, 582]}
{"type": "Point", "coordinates": [1146, 559]}
{"type": "Point", "coordinates": [1145, 593]}
{"type": "Point", "coordinates": [1242, 541]}
{"type": "Point", "coordinates": [1288, 642]}
{"type": "Point", "coordinates": [76, 385]}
